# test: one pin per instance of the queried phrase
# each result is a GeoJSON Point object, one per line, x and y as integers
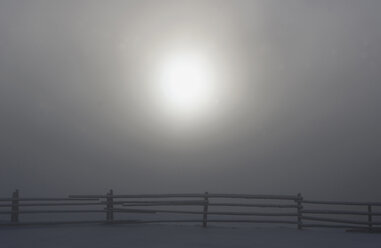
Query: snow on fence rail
{"type": "Point", "coordinates": [288, 209]}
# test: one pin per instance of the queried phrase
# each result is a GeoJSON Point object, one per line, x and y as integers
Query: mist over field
{"type": "Point", "coordinates": [297, 107]}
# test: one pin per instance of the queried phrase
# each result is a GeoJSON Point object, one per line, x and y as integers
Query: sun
{"type": "Point", "coordinates": [187, 83]}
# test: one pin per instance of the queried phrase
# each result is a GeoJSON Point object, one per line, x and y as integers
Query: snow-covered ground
{"type": "Point", "coordinates": [155, 235]}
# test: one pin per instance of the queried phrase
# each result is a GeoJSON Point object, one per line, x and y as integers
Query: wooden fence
{"type": "Point", "coordinates": [209, 208]}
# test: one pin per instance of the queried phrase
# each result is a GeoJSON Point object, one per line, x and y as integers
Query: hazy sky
{"type": "Point", "coordinates": [298, 108]}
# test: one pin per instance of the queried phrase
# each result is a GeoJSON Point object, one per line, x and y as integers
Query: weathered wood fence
{"type": "Point", "coordinates": [276, 209]}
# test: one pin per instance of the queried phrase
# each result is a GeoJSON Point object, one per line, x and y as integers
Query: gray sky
{"type": "Point", "coordinates": [298, 110]}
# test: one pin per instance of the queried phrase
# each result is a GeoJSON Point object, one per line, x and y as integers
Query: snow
{"type": "Point", "coordinates": [166, 235]}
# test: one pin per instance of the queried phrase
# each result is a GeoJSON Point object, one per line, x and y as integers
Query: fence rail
{"type": "Point", "coordinates": [210, 207]}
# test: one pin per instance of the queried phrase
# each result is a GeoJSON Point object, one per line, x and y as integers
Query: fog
{"type": "Point", "coordinates": [298, 108]}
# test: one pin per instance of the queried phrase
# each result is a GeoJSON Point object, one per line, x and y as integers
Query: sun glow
{"type": "Point", "coordinates": [187, 83]}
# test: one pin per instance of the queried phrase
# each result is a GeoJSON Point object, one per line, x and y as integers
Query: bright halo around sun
{"type": "Point", "coordinates": [187, 83]}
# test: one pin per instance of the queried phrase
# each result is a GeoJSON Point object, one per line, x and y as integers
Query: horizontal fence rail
{"type": "Point", "coordinates": [343, 203]}
{"type": "Point", "coordinates": [209, 207]}
{"type": "Point", "coordinates": [239, 196]}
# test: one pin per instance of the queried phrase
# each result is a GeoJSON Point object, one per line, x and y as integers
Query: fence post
{"type": "Point", "coordinates": [205, 215]}
{"type": "Point", "coordinates": [370, 225]}
{"type": "Point", "coordinates": [15, 206]}
{"type": "Point", "coordinates": [110, 206]}
{"type": "Point", "coordinates": [299, 210]}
